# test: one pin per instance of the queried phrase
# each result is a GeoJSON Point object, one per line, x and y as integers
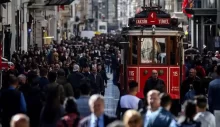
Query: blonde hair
{"type": "Point", "coordinates": [131, 114]}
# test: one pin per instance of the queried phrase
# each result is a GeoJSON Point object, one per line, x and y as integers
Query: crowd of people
{"type": "Point", "coordinates": [63, 85]}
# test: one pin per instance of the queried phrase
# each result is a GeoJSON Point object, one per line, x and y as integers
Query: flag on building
{"type": "Point", "coordinates": [187, 4]}
{"type": "Point", "coordinates": [60, 7]}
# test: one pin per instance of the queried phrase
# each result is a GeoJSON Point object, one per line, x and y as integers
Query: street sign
{"type": "Point", "coordinates": [152, 20]}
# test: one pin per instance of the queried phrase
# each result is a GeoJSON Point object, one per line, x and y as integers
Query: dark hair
{"type": "Point", "coordinates": [201, 101]}
{"type": "Point", "coordinates": [61, 72]}
{"type": "Point", "coordinates": [85, 86]}
{"type": "Point", "coordinates": [12, 79]}
{"type": "Point", "coordinates": [133, 84]}
{"type": "Point", "coordinates": [165, 99]}
{"type": "Point", "coordinates": [52, 76]}
{"type": "Point", "coordinates": [189, 109]}
{"type": "Point", "coordinates": [70, 105]}
{"type": "Point", "coordinates": [43, 72]}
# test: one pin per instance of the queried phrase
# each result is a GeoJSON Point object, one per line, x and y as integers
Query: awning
{"type": "Point", "coordinates": [4, 1]}
{"type": "Point", "coordinates": [58, 2]}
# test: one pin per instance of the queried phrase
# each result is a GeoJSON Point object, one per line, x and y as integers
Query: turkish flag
{"type": "Point", "coordinates": [187, 4]}
{"type": "Point", "coordinates": [62, 7]}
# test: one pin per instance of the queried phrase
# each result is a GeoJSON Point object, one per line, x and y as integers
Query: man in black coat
{"type": "Point", "coordinates": [96, 81]}
{"type": "Point", "coordinates": [98, 118]}
{"type": "Point", "coordinates": [154, 83]}
{"type": "Point", "coordinates": [74, 79]}
{"type": "Point", "coordinates": [104, 76]}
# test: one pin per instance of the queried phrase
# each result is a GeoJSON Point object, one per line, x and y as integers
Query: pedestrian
{"type": "Point", "coordinates": [19, 120]}
{"type": "Point", "coordinates": [72, 116]}
{"type": "Point", "coordinates": [97, 117]}
{"type": "Point", "coordinates": [154, 83]}
{"type": "Point", "coordinates": [82, 101]}
{"type": "Point", "coordinates": [12, 101]}
{"type": "Point", "coordinates": [132, 118]}
{"type": "Point", "coordinates": [129, 101]}
{"type": "Point", "coordinates": [206, 118]}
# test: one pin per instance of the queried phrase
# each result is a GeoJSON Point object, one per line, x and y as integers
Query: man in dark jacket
{"type": "Point", "coordinates": [75, 79]}
{"type": "Point", "coordinates": [12, 102]}
{"type": "Point", "coordinates": [154, 83]}
{"type": "Point", "coordinates": [194, 81]}
{"type": "Point", "coordinates": [85, 70]}
{"type": "Point", "coordinates": [43, 81]}
{"type": "Point", "coordinates": [52, 77]}
{"type": "Point", "coordinates": [96, 81]}
{"type": "Point", "coordinates": [104, 76]}
{"type": "Point", "coordinates": [97, 118]}
{"type": "Point", "coordinates": [68, 89]}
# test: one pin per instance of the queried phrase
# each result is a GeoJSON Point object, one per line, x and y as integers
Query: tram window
{"type": "Point", "coordinates": [160, 50]}
{"type": "Point", "coordinates": [146, 50]}
{"type": "Point", "coordinates": [134, 50]}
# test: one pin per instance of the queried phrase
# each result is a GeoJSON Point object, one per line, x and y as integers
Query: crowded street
{"type": "Point", "coordinates": [110, 63]}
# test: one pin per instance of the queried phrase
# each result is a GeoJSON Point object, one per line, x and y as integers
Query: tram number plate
{"type": "Point", "coordinates": [131, 73]}
{"type": "Point", "coordinates": [175, 73]}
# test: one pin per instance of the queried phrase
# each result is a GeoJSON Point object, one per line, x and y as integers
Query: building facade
{"type": "Point", "coordinates": [205, 24]}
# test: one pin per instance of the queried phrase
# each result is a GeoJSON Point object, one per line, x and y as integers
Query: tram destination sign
{"type": "Point", "coordinates": [152, 20]}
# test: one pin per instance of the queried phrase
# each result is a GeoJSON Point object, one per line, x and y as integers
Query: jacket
{"type": "Point", "coordinates": [68, 89]}
{"type": "Point", "coordinates": [161, 118]}
{"type": "Point", "coordinates": [86, 121]}
{"type": "Point", "coordinates": [152, 84]}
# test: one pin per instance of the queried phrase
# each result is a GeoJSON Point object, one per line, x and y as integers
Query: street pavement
{"type": "Point", "coordinates": [111, 96]}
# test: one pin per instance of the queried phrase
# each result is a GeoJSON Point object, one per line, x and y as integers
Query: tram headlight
{"type": "Point", "coordinates": [153, 29]}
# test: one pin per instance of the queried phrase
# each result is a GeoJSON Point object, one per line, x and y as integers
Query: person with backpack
{"type": "Point", "coordinates": [194, 80]}
{"type": "Point", "coordinates": [72, 116]}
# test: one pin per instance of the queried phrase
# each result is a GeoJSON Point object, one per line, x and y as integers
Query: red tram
{"type": "Point", "coordinates": [155, 43]}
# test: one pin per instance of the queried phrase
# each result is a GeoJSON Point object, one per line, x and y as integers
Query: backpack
{"type": "Point", "coordinates": [190, 94]}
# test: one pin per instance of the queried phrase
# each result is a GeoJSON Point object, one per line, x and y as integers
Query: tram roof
{"type": "Point", "coordinates": [159, 31]}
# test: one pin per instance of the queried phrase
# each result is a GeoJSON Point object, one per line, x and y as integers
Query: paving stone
{"type": "Point", "coordinates": [111, 97]}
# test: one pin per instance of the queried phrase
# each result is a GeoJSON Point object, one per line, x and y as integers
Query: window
{"type": "Point", "coordinates": [197, 4]}
{"type": "Point", "coordinates": [179, 5]}
{"type": "Point", "coordinates": [153, 50]}
{"type": "Point", "coordinates": [160, 50]}
{"type": "Point", "coordinates": [102, 27]}
{"type": "Point", "coordinates": [146, 50]}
